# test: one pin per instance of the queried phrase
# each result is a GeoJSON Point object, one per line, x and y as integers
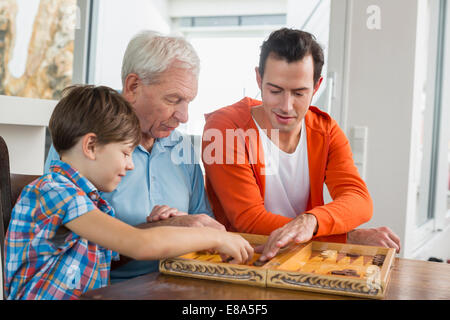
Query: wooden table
{"type": "Point", "coordinates": [410, 280]}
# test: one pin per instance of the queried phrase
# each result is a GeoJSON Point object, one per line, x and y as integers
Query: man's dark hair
{"type": "Point", "coordinates": [292, 45]}
{"type": "Point", "coordinates": [100, 110]}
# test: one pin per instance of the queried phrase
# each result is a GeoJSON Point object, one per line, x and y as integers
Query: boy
{"type": "Point", "coordinates": [62, 233]}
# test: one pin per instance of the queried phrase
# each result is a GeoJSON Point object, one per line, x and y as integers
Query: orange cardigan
{"type": "Point", "coordinates": [236, 190]}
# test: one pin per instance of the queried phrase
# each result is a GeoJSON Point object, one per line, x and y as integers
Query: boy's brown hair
{"type": "Point", "coordinates": [97, 109]}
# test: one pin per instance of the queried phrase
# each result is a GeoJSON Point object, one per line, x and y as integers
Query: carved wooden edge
{"type": "Point", "coordinates": [217, 271]}
{"type": "Point", "coordinates": [388, 263]}
{"type": "Point", "coordinates": [267, 277]}
{"type": "Point", "coordinates": [271, 278]}
{"type": "Point", "coordinates": [325, 284]}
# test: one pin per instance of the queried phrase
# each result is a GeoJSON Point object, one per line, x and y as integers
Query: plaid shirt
{"type": "Point", "coordinates": [44, 259]}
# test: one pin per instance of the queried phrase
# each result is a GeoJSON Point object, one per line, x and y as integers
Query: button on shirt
{"type": "Point", "coordinates": [168, 175]}
{"type": "Point", "coordinates": [44, 259]}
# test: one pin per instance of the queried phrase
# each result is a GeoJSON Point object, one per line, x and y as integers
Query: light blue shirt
{"type": "Point", "coordinates": [168, 175]}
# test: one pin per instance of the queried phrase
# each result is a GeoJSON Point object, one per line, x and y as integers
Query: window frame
{"type": "Point", "coordinates": [438, 216]}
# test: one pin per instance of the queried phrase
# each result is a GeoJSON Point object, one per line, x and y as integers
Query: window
{"type": "Point", "coordinates": [229, 47]}
{"type": "Point", "coordinates": [448, 174]}
{"type": "Point", "coordinates": [36, 51]}
{"type": "Point", "coordinates": [37, 40]}
{"type": "Point", "coordinates": [227, 35]}
{"type": "Point", "coordinates": [433, 159]}
{"type": "Point", "coordinates": [113, 26]}
{"type": "Point", "coordinates": [216, 21]}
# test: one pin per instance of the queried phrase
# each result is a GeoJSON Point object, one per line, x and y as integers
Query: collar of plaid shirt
{"type": "Point", "coordinates": [76, 177]}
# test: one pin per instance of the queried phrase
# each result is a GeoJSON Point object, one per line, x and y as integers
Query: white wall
{"type": "Point", "coordinates": [118, 22]}
{"type": "Point", "coordinates": [384, 93]}
{"type": "Point", "coordinates": [298, 16]}
{"type": "Point", "coordinates": [22, 125]}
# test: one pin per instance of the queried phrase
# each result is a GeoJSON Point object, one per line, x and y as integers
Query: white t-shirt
{"type": "Point", "coordinates": [287, 176]}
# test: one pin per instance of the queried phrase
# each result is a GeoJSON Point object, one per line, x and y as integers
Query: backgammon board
{"type": "Point", "coordinates": [336, 268]}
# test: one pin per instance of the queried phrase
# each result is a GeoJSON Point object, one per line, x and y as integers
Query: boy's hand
{"type": "Point", "coordinates": [235, 246]}
{"type": "Point", "coordinates": [163, 212]}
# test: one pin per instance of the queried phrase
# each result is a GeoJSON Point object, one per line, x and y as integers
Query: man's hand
{"type": "Point", "coordinates": [163, 212]}
{"type": "Point", "coordinates": [379, 237]}
{"type": "Point", "coordinates": [299, 230]}
{"type": "Point", "coordinates": [190, 220]}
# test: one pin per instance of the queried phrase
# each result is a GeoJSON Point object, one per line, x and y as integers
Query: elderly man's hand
{"type": "Point", "coordinates": [379, 237]}
{"type": "Point", "coordinates": [163, 212]}
{"type": "Point", "coordinates": [299, 230]}
{"type": "Point", "coordinates": [187, 220]}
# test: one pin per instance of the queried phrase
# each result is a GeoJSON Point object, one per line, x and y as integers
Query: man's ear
{"type": "Point", "coordinates": [89, 145]}
{"type": "Point", "coordinates": [131, 85]}
{"type": "Point", "coordinates": [317, 85]}
{"type": "Point", "coordinates": [258, 78]}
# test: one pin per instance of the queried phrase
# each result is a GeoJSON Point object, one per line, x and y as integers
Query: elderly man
{"type": "Point", "coordinates": [159, 77]}
{"type": "Point", "coordinates": [272, 182]}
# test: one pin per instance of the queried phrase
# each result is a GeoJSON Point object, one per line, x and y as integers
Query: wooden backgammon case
{"type": "Point", "coordinates": [335, 268]}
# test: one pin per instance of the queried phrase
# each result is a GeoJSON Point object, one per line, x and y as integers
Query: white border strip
{"type": "Point", "coordinates": [25, 111]}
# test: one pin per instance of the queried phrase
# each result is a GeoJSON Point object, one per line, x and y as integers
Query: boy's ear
{"type": "Point", "coordinates": [131, 85]}
{"type": "Point", "coordinates": [89, 145]}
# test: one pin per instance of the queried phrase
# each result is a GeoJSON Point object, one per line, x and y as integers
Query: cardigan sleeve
{"type": "Point", "coordinates": [352, 204]}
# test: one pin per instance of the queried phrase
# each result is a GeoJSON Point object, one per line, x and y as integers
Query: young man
{"type": "Point", "coordinates": [289, 150]}
{"type": "Point", "coordinates": [62, 233]}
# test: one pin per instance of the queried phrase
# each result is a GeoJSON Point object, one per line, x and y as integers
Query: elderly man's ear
{"type": "Point", "coordinates": [130, 88]}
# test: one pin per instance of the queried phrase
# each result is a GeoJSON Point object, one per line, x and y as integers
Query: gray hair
{"type": "Point", "coordinates": [150, 53]}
